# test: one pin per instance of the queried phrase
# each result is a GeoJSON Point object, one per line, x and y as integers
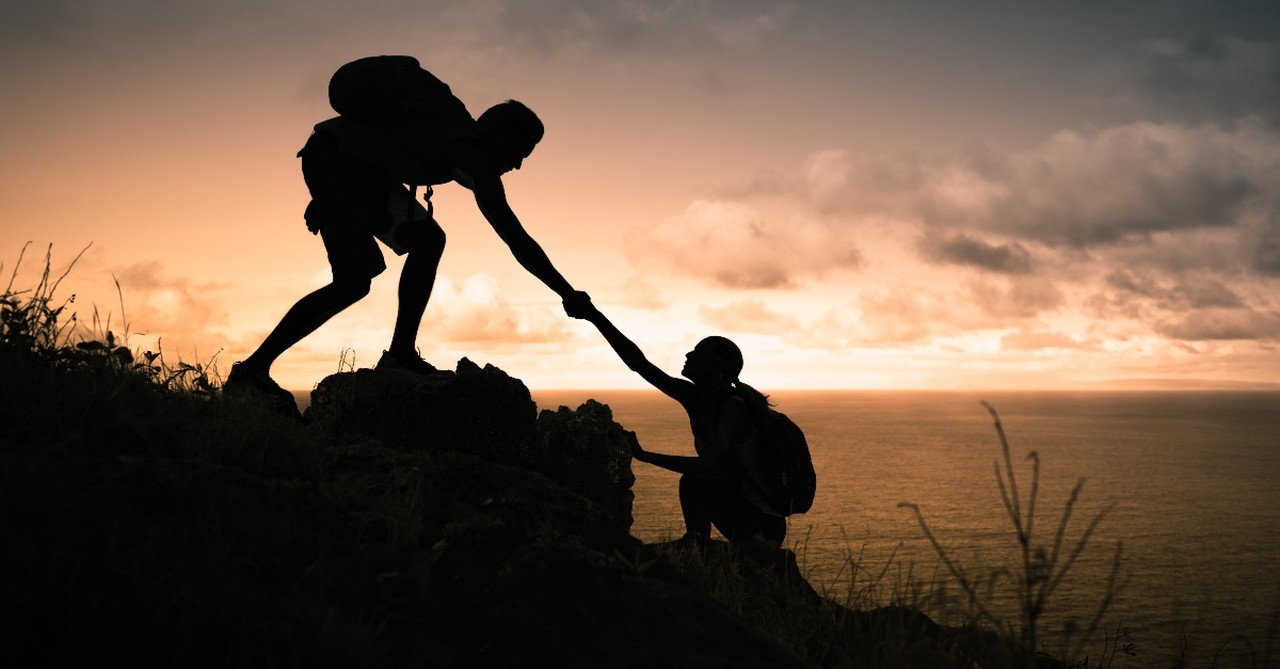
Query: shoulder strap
{"type": "Point", "coordinates": [413, 198]}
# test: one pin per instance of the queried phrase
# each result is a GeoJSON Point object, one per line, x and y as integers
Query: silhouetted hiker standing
{"type": "Point", "coordinates": [724, 484]}
{"type": "Point", "coordinates": [399, 125]}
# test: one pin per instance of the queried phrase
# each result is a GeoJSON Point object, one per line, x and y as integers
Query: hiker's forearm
{"type": "Point", "coordinates": [680, 464]}
{"type": "Point", "coordinates": [531, 257]}
{"type": "Point", "coordinates": [626, 349]}
{"type": "Point", "coordinates": [523, 246]}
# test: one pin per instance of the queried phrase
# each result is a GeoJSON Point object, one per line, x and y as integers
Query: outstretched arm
{"type": "Point", "coordinates": [491, 198]}
{"type": "Point", "coordinates": [680, 464]}
{"type": "Point", "coordinates": [634, 358]}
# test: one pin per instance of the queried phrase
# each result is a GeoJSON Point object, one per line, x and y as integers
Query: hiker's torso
{"type": "Point", "coordinates": [412, 149]}
{"type": "Point", "coordinates": [706, 423]}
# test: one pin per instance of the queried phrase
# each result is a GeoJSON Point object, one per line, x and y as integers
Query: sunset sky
{"type": "Point", "coordinates": [862, 194]}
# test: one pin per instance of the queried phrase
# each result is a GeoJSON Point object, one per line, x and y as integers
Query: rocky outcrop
{"type": "Point", "coordinates": [485, 413]}
{"type": "Point", "coordinates": [587, 452]}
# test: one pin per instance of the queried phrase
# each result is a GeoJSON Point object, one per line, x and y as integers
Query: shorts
{"type": "Point", "coordinates": [351, 202]}
{"type": "Point", "coordinates": [348, 205]}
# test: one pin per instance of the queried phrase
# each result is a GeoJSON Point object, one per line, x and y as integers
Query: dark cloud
{"type": "Point", "coordinates": [85, 28]}
{"type": "Point", "coordinates": [1222, 324]}
{"type": "Point", "coordinates": [1111, 187]}
{"type": "Point", "coordinates": [1028, 234]}
{"type": "Point", "coordinates": [1221, 253]}
{"type": "Point", "coordinates": [1124, 184]}
{"type": "Point", "coordinates": [1013, 300]}
{"type": "Point", "coordinates": [1131, 283]}
{"type": "Point", "coordinates": [1265, 259]}
{"type": "Point", "coordinates": [556, 26]}
{"type": "Point", "coordinates": [1183, 295]}
{"type": "Point", "coordinates": [964, 250]}
{"type": "Point", "coordinates": [1197, 307]}
{"type": "Point", "coordinates": [1213, 77]}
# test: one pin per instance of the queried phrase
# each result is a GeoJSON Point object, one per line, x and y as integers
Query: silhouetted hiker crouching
{"type": "Point", "coordinates": [728, 483]}
{"type": "Point", "coordinates": [398, 125]}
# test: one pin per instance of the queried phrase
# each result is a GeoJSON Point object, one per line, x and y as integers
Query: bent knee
{"type": "Point", "coordinates": [694, 485]}
{"type": "Point", "coordinates": [425, 239]}
{"type": "Point", "coordinates": [352, 288]}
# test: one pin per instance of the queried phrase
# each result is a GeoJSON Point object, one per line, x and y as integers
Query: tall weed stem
{"type": "Point", "coordinates": [1042, 570]}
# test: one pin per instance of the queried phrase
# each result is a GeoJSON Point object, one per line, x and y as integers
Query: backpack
{"type": "Point", "coordinates": [786, 454]}
{"type": "Point", "coordinates": [390, 88]}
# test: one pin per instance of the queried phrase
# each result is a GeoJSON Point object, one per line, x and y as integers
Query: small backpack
{"type": "Point", "coordinates": [390, 88]}
{"type": "Point", "coordinates": [786, 454]}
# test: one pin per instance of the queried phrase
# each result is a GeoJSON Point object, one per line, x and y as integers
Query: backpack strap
{"type": "Point", "coordinates": [413, 198]}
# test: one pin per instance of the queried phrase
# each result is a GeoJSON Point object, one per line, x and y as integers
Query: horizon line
{"type": "Point", "coordinates": [1102, 386]}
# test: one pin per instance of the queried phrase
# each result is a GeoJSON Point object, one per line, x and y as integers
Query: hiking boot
{"type": "Point", "coordinates": [410, 363]}
{"type": "Point", "coordinates": [244, 380]}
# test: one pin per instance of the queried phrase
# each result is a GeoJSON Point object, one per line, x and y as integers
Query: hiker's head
{"type": "Point", "coordinates": [714, 359]}
{"type": "Point", "coordinates": [509, 132]}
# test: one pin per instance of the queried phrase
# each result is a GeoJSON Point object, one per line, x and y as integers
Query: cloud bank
{"type": "Point", "coordinates": [1169, 228]}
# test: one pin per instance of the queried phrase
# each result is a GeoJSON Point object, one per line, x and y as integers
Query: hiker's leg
{"type": "Point", "coordinates": [425, 242]}
{"type": "Point", "coordinates": [773, 529]}
{"type": "Point", "coordinates": [708, 502]}
{"type": "Point", "coordinates": [348, 199]}
{"type": "Point", "coordinates": [307, 315]}
{"type": "Point", "coordinates": [697, 497]}
{"type": "Point", "coordinates": [355, 259]}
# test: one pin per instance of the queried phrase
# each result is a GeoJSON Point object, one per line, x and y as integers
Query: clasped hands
{"type": "Point", "coordinates": [578, 305]}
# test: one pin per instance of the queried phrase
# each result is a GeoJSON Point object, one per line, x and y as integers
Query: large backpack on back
{"type": "Point", "coordinates": [787, 459]}
{"type": "Point", "coordinates": [392, 112]}
{"type": "Point", "coordinates": [391, 88]}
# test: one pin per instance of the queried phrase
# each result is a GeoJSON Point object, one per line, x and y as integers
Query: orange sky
{"type": "Point", "coordinates": [863, 195]}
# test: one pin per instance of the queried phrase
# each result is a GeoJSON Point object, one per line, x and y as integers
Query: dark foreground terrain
{"type": "Point", "coordinates": [404, 522]}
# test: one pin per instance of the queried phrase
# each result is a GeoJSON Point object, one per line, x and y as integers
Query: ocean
{"type": "Point", "coordinates": [1188, 484]}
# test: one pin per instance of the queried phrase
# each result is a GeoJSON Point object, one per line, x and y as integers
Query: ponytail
{"type": "Point", "coordinates": [757, 401]}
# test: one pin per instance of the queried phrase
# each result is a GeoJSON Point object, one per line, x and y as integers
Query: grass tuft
{"type": "Point", "coordinates": [1041, 568]}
